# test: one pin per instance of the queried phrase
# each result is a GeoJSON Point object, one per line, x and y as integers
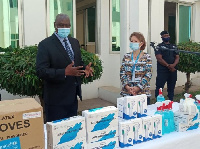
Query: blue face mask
{"type": "Point", "coordinates": [63, 32]}
{"type": "Point", "coordinates": [134, 46]}
{"type": "Point", "coordinates": [165, 39]}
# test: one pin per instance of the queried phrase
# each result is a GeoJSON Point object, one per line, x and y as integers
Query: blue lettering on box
{"type": "Point", "coordinates": [13, 143]}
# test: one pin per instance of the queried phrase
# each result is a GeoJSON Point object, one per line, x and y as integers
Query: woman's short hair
{"type": "Point", "coordinates": [140, 37]}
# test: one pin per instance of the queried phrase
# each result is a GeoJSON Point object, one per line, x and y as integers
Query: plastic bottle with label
{"type": "Point", "coordinates": [160, 97]}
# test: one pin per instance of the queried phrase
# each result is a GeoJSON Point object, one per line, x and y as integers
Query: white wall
{"type": "Point", "coordinates": [111, 62]}
{"type": "Point", "coordinates": [34, 21]}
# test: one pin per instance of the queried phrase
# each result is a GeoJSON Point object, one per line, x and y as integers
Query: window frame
{"type": "Point", "coordinates": [177, 17]}
{"type": "Point", "coordinates": [110, 26]}
{"type": "Point", "coordinates": [177, 21]}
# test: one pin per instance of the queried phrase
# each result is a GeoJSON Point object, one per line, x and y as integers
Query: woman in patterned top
{"type": "Point", "coordinates": [136, 69]}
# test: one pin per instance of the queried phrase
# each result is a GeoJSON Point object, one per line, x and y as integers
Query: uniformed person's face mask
{"type": "Point", "coordinates": [63, 32]}
{"type": "Point", "coordinates": [134, 46]}
{"type": "Point", "coordinates": [166, 39]}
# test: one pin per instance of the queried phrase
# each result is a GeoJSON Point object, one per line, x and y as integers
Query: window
{"type": "Point", "coordinates": [9, 25]}
{"type": "Point", "coordinates": [177, 21]}
{"type": "Point", "coordinates": [13, 3]}
{"type": "Point", "coordinates": [115, 25]}
{"type": "Point", "coordinates": [60, 6]}
{"type": "Point", "coordinates": [91, 13]}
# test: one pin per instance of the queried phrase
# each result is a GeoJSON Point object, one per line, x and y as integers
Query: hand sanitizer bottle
{"type": "Point", "coordinates": [160, 97]}
{"type": "Point", "coordinates": [171, 113]}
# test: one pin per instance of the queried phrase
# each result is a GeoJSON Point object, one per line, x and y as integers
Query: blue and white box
{"type": "Point", "coordinates": [126, 133]}
{"type": "Point", "coordinates": [101, 135]}
{"type": "Point", "coordinates": [105, 144]}
{"type": "Point", "coordinates": [120, 107]}
{"type": "Point", "coordinates": [65, 130]}
{"type": "Point", "coordinates": [157, 126]}
{"type": "Point", "coordinates": [74, 144]}
{"type": "Point", "coordinates": [147, 125]}
{"type": "Point", "coordinates": [138, 130]}
{"type": "Point", "coordinates": [101, 118]}
{"type": "Point", "coordinates": [142, 105]}
{"type": "Point", "coordinates": [130, 107]}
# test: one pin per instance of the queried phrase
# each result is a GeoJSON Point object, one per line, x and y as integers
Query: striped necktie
{"type": "Point", "coordinates": [67, 48]}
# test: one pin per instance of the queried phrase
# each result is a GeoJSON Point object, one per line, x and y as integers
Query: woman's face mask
{"type": "Point", "coordinates": [134, 46]}
{"type": "Point", "coordinates": [63, 32]}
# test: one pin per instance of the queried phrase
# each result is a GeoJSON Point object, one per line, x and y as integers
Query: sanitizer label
{"type": "Point", "coordinates": [166, 122]}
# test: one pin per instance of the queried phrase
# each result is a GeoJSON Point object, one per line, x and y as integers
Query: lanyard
{"type": "Point", "coordinates": [133, 68]}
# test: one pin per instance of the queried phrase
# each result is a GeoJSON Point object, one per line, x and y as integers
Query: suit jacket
{"type": "Point", "coordinates": [52, 59]}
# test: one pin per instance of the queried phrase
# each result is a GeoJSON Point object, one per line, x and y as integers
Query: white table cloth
{"type": "Point", "coordinates": [175, 140]}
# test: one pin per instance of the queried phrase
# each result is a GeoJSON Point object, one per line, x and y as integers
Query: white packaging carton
{"type": "Point", "coordinates": [142, 105]}
{"type": "Point", "coordinates": [138, 130]}
{"type": "Point", "coordinates": [105, 144]}
{"type": "Point", "coordinates": [120, 107]}
{"type": "Point", "coordinates": [147, 125]}
{"type": "Point", "coordinates": [101, 118]}
{"type": "Point", "coordinates": [74, 144]}
{"type": "Point", "coordinates": [185, 127]}
{"type": "Point", "coordinates": [184, 117]}
{"type": "Point", "coordinates": [130, 107]}
{"type": "Point", "coordinates": [102, 134]}
{"type": "Point", "coordinates": [157, 126]}
{"type": "Point", "coordinates": [126, 133]}
{"type": "Point", "coordinates": [65, 130]}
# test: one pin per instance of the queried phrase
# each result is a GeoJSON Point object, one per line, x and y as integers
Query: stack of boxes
{"type": "Point", "coordinates": [134, 125]}
{"type": "Point", "coordinates": [66, 133]}
{"type": "Point", "coordinates": [187, 118]}
{"type": "Point", "coordinates": [102, 127]}
{"type": "Point", "coordinates": [131, 107]}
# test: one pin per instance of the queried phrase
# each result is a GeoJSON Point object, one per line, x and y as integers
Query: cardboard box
{"type": "Point", "coordinates": [65, 130]}
{"type": "Point", "coordinates": [21, 124]}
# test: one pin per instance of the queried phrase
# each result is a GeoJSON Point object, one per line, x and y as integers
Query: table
{"type": "Point", "coordinates": [175, 140]}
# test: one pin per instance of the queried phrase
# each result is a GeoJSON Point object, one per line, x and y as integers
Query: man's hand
{"type": "Point", "coordinates": [88, 70]}
{"type": "Point", "coordinates": [74, 71]}
{"type": "Point", "coordinates": [171, 68]}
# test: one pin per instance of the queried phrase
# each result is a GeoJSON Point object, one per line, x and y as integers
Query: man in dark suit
{"type": "Point", "coordinates": [60, 65]}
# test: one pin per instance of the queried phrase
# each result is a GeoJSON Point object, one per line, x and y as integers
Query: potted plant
{"type": "Point", "coordinates": [189, 63]}
{"type": "Point", "coordinates": [18, 73]}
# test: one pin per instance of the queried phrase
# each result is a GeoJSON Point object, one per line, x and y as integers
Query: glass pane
{"type": "Point", "coordinates": [91, 24]}
{"type": "Point", "coordinates": [57, 7]}
{"type": "Point", "coordinates": [12, 36]}
{"type": "Point", "coordinates": [184, 23]}
{"type": "Point", "coordinates": [115, 25]}
{"type": "Point", "coordinates": [13, 44]}
{"type": "Point", "coordinates": [170, 20]}
{"type": "Point", "coordinates": [9, 24]}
